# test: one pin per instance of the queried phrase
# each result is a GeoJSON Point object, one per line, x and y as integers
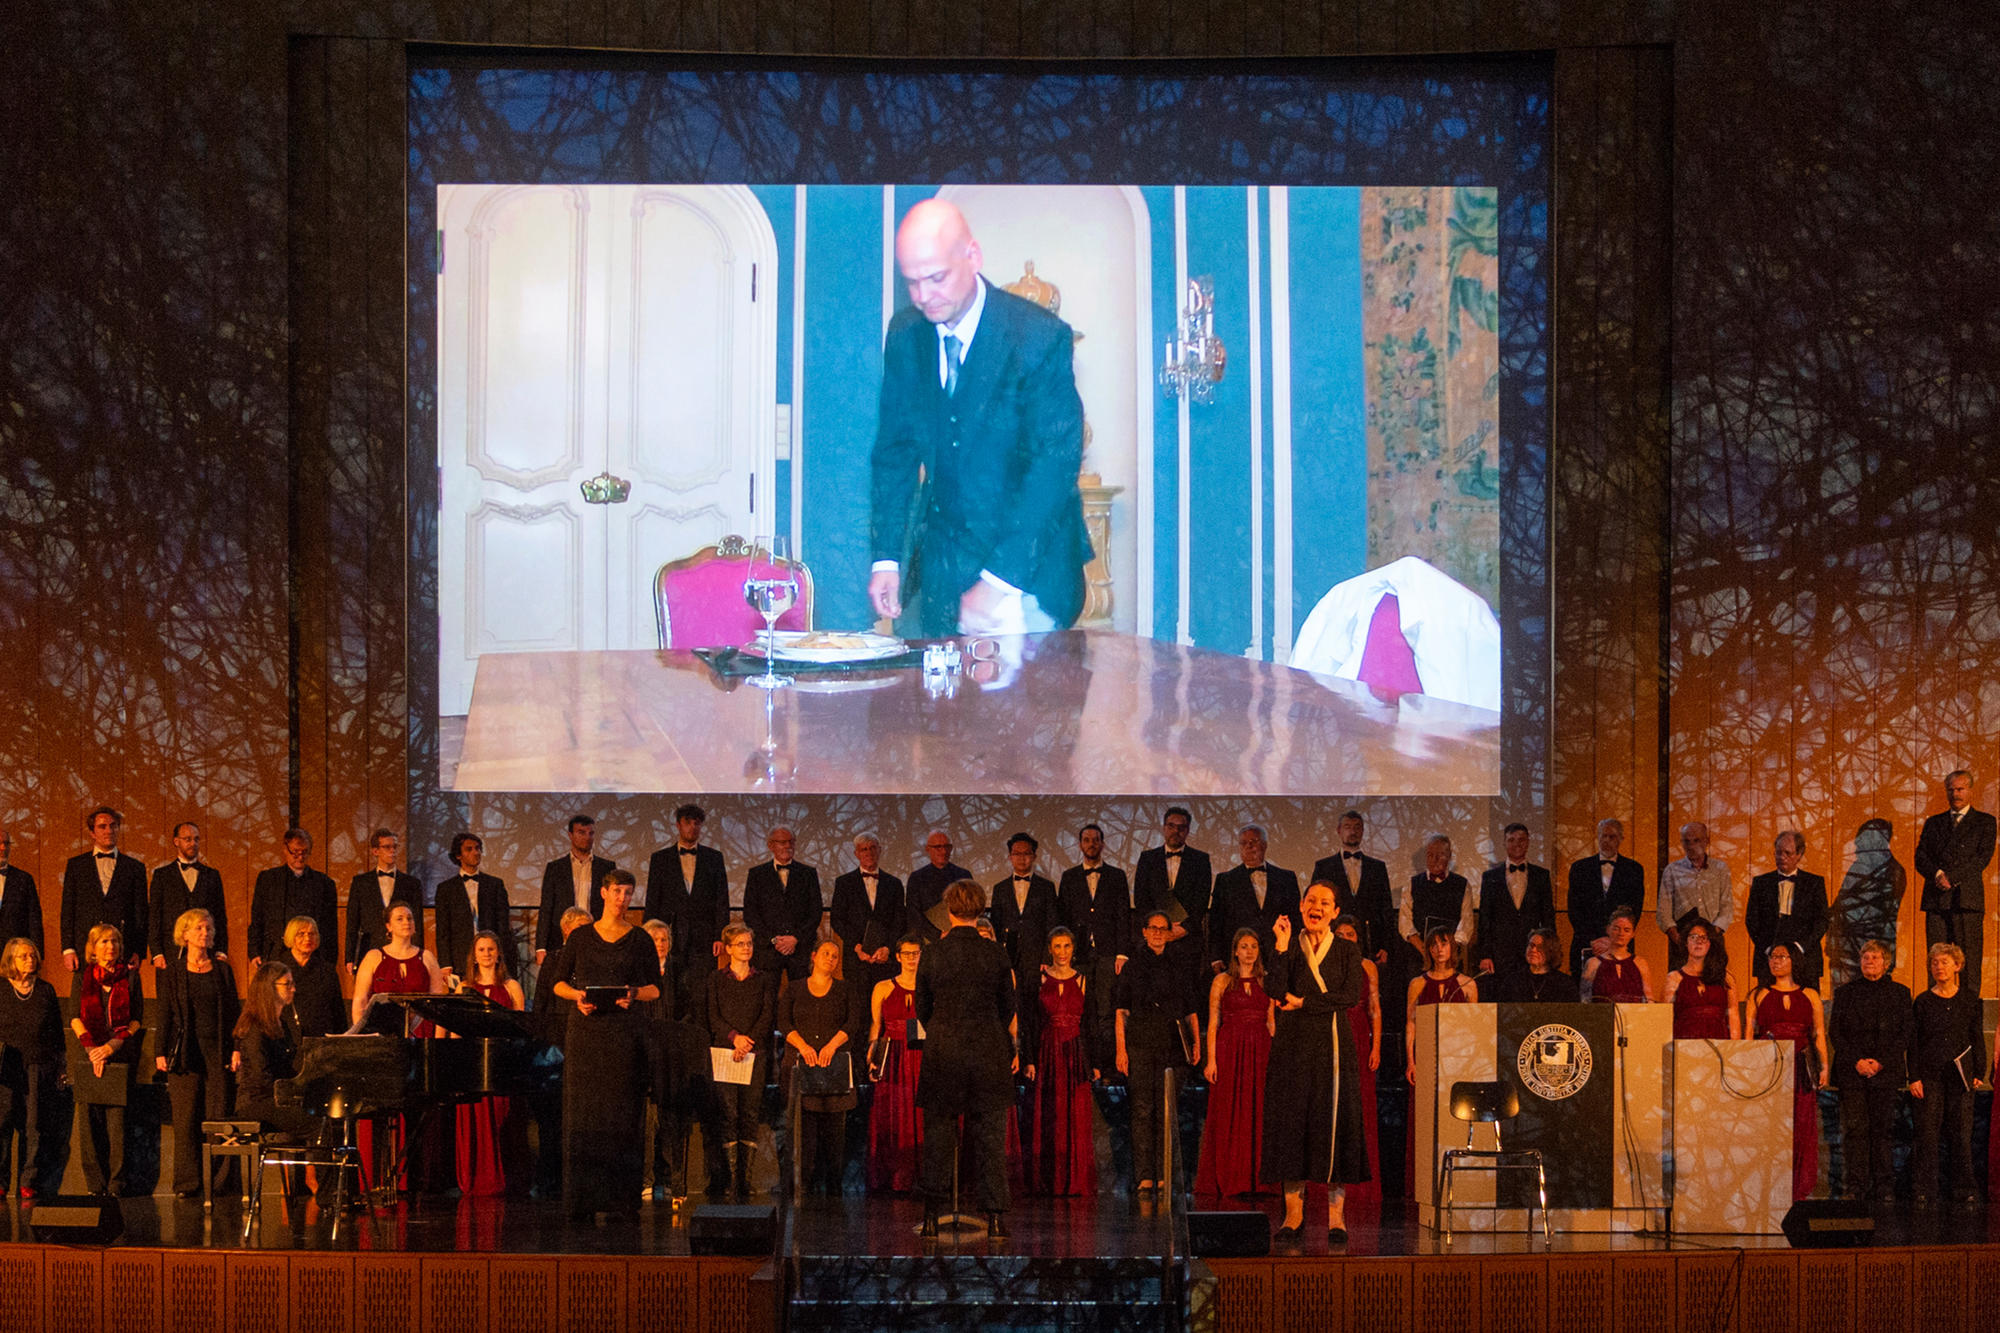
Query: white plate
{"type": "Point", "coordinates": [827, 646]}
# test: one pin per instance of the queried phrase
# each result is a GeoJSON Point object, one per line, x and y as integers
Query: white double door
{"type": "Point", "coordinates": [625, 333]}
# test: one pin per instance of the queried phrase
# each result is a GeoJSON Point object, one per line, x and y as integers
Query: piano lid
{"type": "Point", "coordinates": [469, 1014]}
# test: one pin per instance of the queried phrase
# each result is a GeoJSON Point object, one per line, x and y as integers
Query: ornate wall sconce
{"type": "Point", "coordinates": [1192, 361]}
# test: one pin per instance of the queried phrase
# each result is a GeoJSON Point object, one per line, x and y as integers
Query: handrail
{"type": "Point", "coordinates": [1170, 1173]}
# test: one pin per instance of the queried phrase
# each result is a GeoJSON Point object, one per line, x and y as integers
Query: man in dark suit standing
{"type": "Point", "coordinates": [978, 400]}
{"type": "Point", "coordinates": [283, 892]}
{"type": "Point", "coordinates": [928, 882]}
{"type": "Point", "coordinates": [1182, 874]}
{"type": "Point", "coordinates": [20, 902]}
{"type": "Point", "coordinates": [469, 902]}
{"type": "Point", "coordinates": [1598, 886]}
{"type": "Point", "coordinates": [1953, 852]}
{"type": "Point", "coordinates": [1361, 889]}
{"type": "Point", "coordinates": [371, 893]}
{"type": "Point", "coordinates": [1516, 899]}
{"type": "Point", "coordinates": [103, 885]}
{"type": "Point", "coordinates": [1094, 899]}
{"type": "Point", "coordinates": [965, 1000]}
{"type": "Point", "coordinates": [687, 886]}
{"type": "Point", "coordinates": [1788, 906]}
{"type": "Point", "coordinates": [868, 913]}
{"type": "Point", "coordinates": [575, 880]}
{"type": "Point", "coordinates": [1253, 894]}
{"type": "Point", "coordinates": [1024, 911]}
{"type": "Point", "coordinates": [181, 885]}
{"type": "Point", "coordinates": [782, 907]}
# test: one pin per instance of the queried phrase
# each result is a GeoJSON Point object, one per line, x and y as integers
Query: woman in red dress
{"type": "Point", "coordinates": [492, 1149]}
{"type": "Point", "coordinates": [1241, 1022]}
{"type": "Point", "coordinates": [1618, 977]}
{"type": "Point", "coordinates": [1440, 983]}
{"type": "Point", "coordinates": [1062, 1157]}
{"type": "Point", "coordinates": [1703, 996]}
{"type": "Point", "coordinates": [895, 1130]}
{"type": "Point", "coordinates": [1787, 1011]}
{"type": "Point", "coordinates": [1365, 1018]}
{"type": "Point", "coordinates": [400, 967]}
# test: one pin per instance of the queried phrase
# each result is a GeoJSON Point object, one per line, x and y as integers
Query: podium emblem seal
{"type": "Point", "coordinates": [1554, 1061]}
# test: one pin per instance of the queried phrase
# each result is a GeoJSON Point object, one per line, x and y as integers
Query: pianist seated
{"type": "Point", "coordinates": [267, 1035]}
{"type": "Point", "coordinates": [399, 967]}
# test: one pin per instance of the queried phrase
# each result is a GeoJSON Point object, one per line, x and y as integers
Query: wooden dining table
{"type": "Point", "coordinates": [1074, 712]}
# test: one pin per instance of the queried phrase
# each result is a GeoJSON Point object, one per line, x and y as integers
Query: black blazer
{"type": "Point", "coordinates": [1962, 850]}
{"type": "Point", "coordinates": [999, 460]}
{"type": "Point", "coordinates": [856, 922]}
{"type": "Point", "coordinates": [1235, 907]}
{"type": "Point", "coordinates": [1869, 1020]}
{"type": "Point", "coordinates": [1102, 925]}
{"type": "Point", "coordinates": [965, 999]}
{"type": "Point", "coordinates": [456, 926]}
{"type": "Point", "coordinates": [697, 911]}
{"type": "Point", "coordinates": [924, 890]}
{"type": "Point", "coordinates": [171, 896]}
{"type": "Point", "coordinates": [368, 919]}
{"type": "Point", "coordinates": [1024, 933]}
{"type": "Point", "coordinates": [559, 895]}
{"type": "Point", "coordinates": [788, 906]}
{"type": "Point", "coordinates": [21, 909]}
{"type": "Point", "coordinates": [1804, 929]}
{"type": "Point", "coordinates": [277, 897]}
{"type": "Point", "coordinates": [123, 905]}
{"type": "Point", "coordinates": [1503, 930]}
{"type": "Point", "coordinates": [174, 1004]}
{"type": "Point", "coordinates": [1194, 887]}
{"type": "Point", "coordinates": [1370, 901]}
{"type": "Point", "coordinates": [1590, 904]}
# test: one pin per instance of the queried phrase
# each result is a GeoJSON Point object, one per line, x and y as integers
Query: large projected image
{"type": "Point", "coordinates": [1190, 488]}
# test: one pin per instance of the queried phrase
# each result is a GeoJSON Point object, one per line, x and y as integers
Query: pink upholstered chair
{"type": "Point", "coordinates": [699, 599]}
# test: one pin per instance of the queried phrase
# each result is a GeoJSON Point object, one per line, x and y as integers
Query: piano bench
{"type": "Point", "coordinates": [241, 1139]}
{"type": "Point", "coordinates": [343, 1159]}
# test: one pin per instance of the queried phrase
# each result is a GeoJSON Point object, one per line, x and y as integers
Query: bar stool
{"type": "Point", "coordinates": [240, 1139]}
{"type": "Point", "coordinates": [1487, 1104]}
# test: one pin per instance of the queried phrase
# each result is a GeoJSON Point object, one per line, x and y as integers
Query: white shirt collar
{"type": "Point", "coordinates": [968, 323]}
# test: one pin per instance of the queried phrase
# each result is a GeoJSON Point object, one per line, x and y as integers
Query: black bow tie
{"type": "Point", "coordinates": [1607, 860]}
{"type": "Point", "coordinates": [106, 856]}
{"type": "Point", "coordinates": [1022, 879]}
{"type": "Point", "coordinates": [385, 874]}
{"type": "Point", "coordinates": [1350, 856]}
{"type": "Point", "coordinates": [1517, 868]}
{"type": "Point", "coordinates": [1173, 856]}
{"type": "Point", "coordinates": [188, 865]}
{"type": "Point", "coordinates": [470, 878]}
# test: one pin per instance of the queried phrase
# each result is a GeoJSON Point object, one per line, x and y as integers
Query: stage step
{"type": "Point", "coordinates": [985, 1291]}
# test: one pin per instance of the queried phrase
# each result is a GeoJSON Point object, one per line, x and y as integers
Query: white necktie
{"type": "Point", "coordinates": [868, 884]}
{"type": "Point", "coordinates": [1257, 884]}
{"type": "Point", "coordinates": [1785, 897]}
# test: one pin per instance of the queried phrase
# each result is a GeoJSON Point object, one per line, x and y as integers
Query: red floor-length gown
{"type": "Point", "coordinates": [492, 1147]}
{"type": "Point", "coordinates": [1232, 1142]}
{"type": "Point", "coordinates": [1787, 1016]}
{"type": "Point", "coordinates": [1062, 1157]}
{"type": "Point", "coordinates": [895, 1129]}
{"type": "Point", "coordinates": [429, 1158]}
{"type": "Point", "coordinates": [1367, 1192]}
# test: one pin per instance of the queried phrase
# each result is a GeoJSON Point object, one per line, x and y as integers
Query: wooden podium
{"type": "Point", "coordinates": [1732, 1137]}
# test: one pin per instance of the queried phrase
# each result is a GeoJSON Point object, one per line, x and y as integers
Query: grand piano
{"type": "Point", "coordinates": [480, 1049]}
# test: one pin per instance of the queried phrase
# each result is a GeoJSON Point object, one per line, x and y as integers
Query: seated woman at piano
{"type": "Point", "coordinates": [399, 967]}
{"type": "Point", "coordinates": [604, 970]}
{"type": "Point", "coordinates": [267, 1037]}
{"type": "Point", "coordinates": [318, 1006]}
{"type": "Point", "coordinates": [492, 1143]}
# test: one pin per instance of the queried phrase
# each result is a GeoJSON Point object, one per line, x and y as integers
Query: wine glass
{"type": "Point", "coordinates": [770, 586]}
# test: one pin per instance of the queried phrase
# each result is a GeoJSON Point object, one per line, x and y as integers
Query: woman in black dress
{"type": "Point", "coordinates": [604, 1056]}
{"type": "Point", "coordinates": [742, 1005]}
{"type": "Point", "coordinates": [316, 986]}
{"type": "Point", "coordinates": [1313, 1129]}
{"type": "Point", "coordinates": [31, 1059]}
{"type": "Point", "coordinates": [1947, 1056]}
{"type": "Point", "coordinates": [820, 1018]}
{"type": "Point", "coordinates": [197, 1048]}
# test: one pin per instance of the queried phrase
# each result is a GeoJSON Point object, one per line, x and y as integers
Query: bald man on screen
{"type": "Point", "coordinates": [977, 520]}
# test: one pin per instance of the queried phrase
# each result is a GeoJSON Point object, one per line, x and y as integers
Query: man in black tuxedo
{"type": "Point", "coordinates": [965, 1000]}
{"type": "Point", "coordinates": [103, 885]}
{"type": "Point", "coordinates": [928, 882]}
{"type": "Point", "coordinates": [868, 913]}
{"type": "Point", "coordinates": [978, 400]}
{"type": "Point", "coordinates": [1255, 894]}
{"type": "Point", "coordinates": [20, 902]}
{"type": "Point", "coordinates": [1516, 899]}
{"type": "Point", "coordinates": [1787, 906]}
{"type": "Point", "coordinates": [370, 895]}
{"type": "Point", "coordinates": [182, 885]}
{"type": "Point", "coordinates": [574, 880]}
{"type": "Point", "coordinates": [782, 907]}
{"type": "Point", "coordinates": [469, 902]}
{"type": "Point", "coordinates": [1183, 874]}
{"type": "Point", "coordinates": [687, 886]}
{"type": "Point", "coordinates": [1953, 852]}
{"type": "Point", "coordinates": [1361, 890]}
{"type": "Point", "coordinates": [283, 892]}
{"type": "Point", "coordinates": [1094, 899]}
{"type": "Point", "coordinates": [1598, 886]}
{"type": "Point", "coordinates": [1024, 911]}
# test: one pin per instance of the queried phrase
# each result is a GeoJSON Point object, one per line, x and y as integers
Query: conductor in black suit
{"type": "Point", "coordinates": [182, 885]}
{"type": "Point", "coordinates": [103, 884]}
{"type": "Point", "coordinates": [965, 1000]}
{"type": "Point", "coordinates": [1788, 906]}
{"type": "Point", "coordinates": [1024, 910]}
{"type": "Point", "coordinates": [1598, 886]}
{"type": "Point", "coordinates": [1255, 894]}
{"type": "Point", "coordinates": [868, 913]}
{"type": "Point", "coordinates": [1953, 852]}
{"type": "Point", "coordinates": [1182, 874]}
{"type": "Point", "coordinates": [1516, 899]}
{"type": "Point", "coordinates": [687, 886]}
{"type": "Point", "coordinates": [1361, 890]}
{"type": "Point", "coordinates": [469, 902]}
{"type": "Point", "coordinates": [782, 907]}
{"type": "Point", "coordinates": [979, 400]}
{"type": "Point", "coordinates": [574, 880]}
{"type": "Point", "coordinates": [20, 902]}
{"type": "Point", "coordinates": [283, 892]}
{"type": "Point", "coordinates": [370, 895]}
